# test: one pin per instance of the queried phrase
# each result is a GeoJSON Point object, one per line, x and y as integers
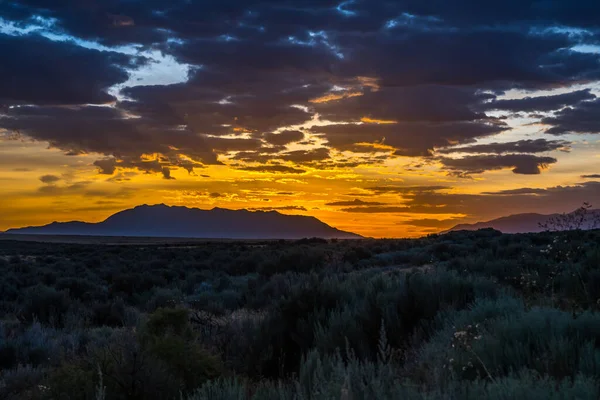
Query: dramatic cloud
{"type": "Point", "coordinates": [260, 66]}
{"type": "Point", "coordinates": [520, 163]}
{"type": "Point", "coordinates": [541, 103]}
{"type": "Point", "coordinates": [283, 138]}
{"type": "Point", "coordinates": [414, 103]}
{"type": "Point", "coordinates": [117, 21]}
{"type": "Point", "coordinates": [104, 130]}
{"type": "Point", "coordinates": [260, 156]}
{"type": "Point", "coordinates": [303, 156]}
{"type": "Point", "coordinates": [521, 146]}
{"type": "Point", "coordinates": [584, 118]}
{"type": "Point", "coordinates": [260, 92]}
{"type": "Point", "coordinates": [494, 205]}
{"type": "Point", "coordinates": [491, 204]}
{"type": "Point", "coordinates": [469, 56]}
{"type": "Point", "coordinates": [411, 139]}
{"type": "Point", "coordinates": [36, 70]}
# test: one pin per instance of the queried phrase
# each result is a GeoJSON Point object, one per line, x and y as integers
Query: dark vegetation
{"type": "Point", "coordinates": [467, 315]}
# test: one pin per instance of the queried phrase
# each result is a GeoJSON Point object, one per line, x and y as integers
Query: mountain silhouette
{"type": "Point", "coordinates": [526, 223]}
{"type": "Point", "coordinates": [183, 222]}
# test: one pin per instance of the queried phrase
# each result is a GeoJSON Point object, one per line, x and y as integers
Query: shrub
{"type": "Point", "coordinates": [173, 321]}
{"type": "Point", "coordinates": [22, 382]}
{"type": "Point", "coordinates": [46, 305]}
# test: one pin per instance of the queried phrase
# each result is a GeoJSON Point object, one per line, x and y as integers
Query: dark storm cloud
{"type": "Point", "coordinates": [417, 119]}
{"type": "Point", "coordinates": [520, 163]}
{"type": "Point", "coordinates": [521, 146]}
{"type": "Point", "coordinates": [345, 164]}
{"type": "Point", "coordinates": [304, 156]}
{"type": "Point", "coordinates": [107, 20]}
{"type": "Point", "coordinates": [409, 138]}
{"type": "Point", "coordinates": [233, 144]}
{"type": "Point", "coordinates": [108, 166]}
{"type": "Point", "coordinates": [76, 130]}
{"type": "Point", "coordinates": [583, 118]}
{"type": "Point", "coordinates": [355, 202]}
{"type": "Point", "coordinates": [151, 21]}
{"type": "Point", "coordinates": [541, 103]}
{"type": "Point", "coordinates": [123, 21]}
{"type": "Point", "coordinates": [469, 12]}
{"type": "Point", "coordinates": [435, 67]}
{"type": "Point", "coordinates": [36, 70]}
{"type": "Point", "coordinates": [260, 156]}
{"type": "Point", "coordinates": [415, 103]}
{"type": "Point", "coordinates": [283, 138]}
{"type": "Point", "coordinates": [104, 130]}
{"type": "Point", "coordinates": [487, 58]}
{"type": "Point", "coordinates": [256, 56]}
{"type": "Point", "coordinates": [216, 103]}
{"type": "Point", "coordinates": [592, 176]}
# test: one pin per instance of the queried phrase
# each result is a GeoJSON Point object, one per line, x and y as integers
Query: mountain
{"type": "Point", "coordinates": [524, 223]}
{"type": "Point", "coordinates": [182, 222]}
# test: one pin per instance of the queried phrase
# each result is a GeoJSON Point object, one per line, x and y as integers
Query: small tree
{"type": "Point", "coordinates": [582, 218]}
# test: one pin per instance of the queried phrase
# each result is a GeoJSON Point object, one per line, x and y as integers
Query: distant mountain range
{"type": "Point", "coordinates": [183, 222]}
{"type": "Point", "coordinates": [523, 223]}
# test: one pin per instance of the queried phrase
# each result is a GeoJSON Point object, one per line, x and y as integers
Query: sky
{"type": "Point", "coordinates": [385, 118]}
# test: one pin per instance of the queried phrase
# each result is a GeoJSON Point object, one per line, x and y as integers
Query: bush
{"type": "Point", "coordinates": [466, 315]}
{"type": "Point", "coordinates": [45, 304]}
{"type": "Point", "coordinates": [22, 382]}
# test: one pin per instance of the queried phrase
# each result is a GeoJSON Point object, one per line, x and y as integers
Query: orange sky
{"type": "Point", "coordinates": [77, 191]}
{"type": "Point", "coordinates": [389, 121]}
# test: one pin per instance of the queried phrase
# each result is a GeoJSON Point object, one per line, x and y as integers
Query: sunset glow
{"type": "Point", "coordinates": [370, 123]}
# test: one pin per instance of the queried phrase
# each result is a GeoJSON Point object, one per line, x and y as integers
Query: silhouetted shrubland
{"type": "Point", "coordinates": [466, 315]}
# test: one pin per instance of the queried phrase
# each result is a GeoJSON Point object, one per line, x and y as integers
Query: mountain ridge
{"type": "Point", "coordinates": [522, 223]}
{"type": "Point", "coordinates": [161, 220]}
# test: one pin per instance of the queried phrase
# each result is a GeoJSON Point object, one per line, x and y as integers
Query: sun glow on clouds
{"type": "Point", "coordinates": [341, 120]}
